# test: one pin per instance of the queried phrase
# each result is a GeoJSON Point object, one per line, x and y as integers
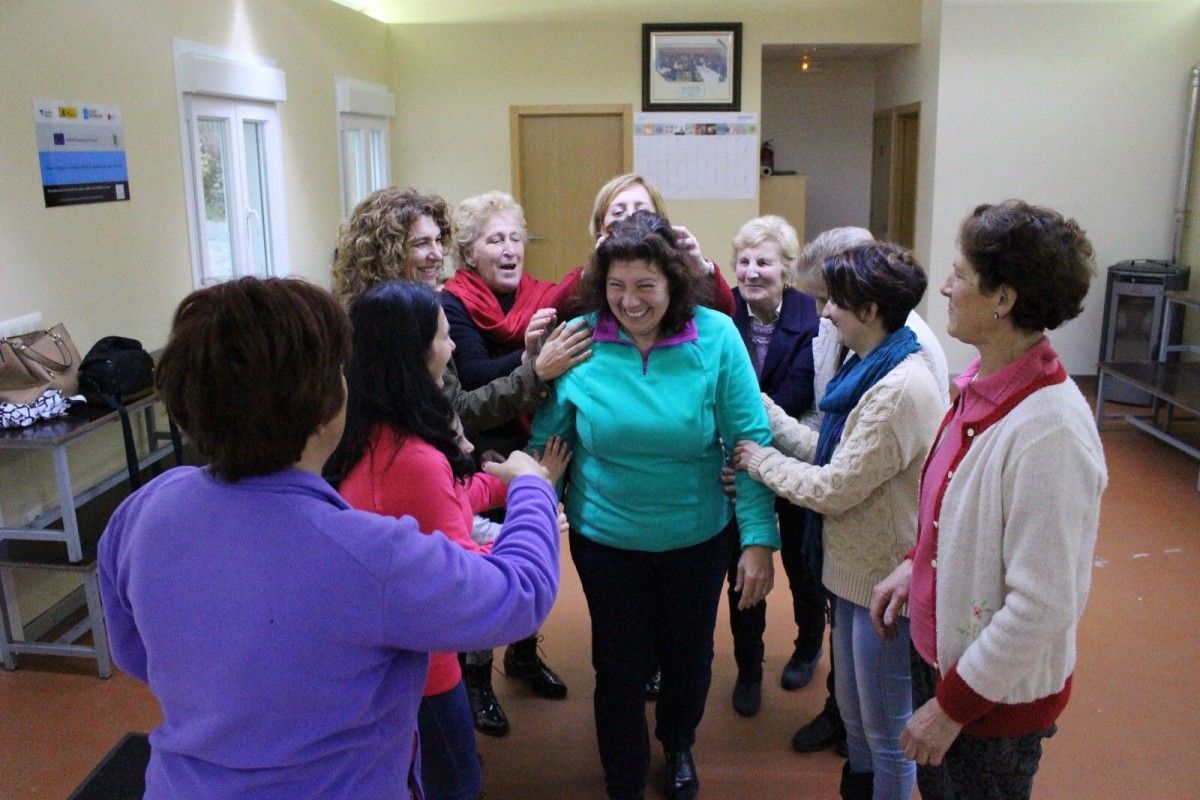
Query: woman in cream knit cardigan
{"type": "Point", "coordinates": [859, 478]}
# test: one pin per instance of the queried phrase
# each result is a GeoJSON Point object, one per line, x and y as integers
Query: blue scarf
{"type": "Point", "coordinates": [843, 393]}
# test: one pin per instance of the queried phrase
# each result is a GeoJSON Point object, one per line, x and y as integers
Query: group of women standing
{"type": "Point", "coordinates": [691, 431]}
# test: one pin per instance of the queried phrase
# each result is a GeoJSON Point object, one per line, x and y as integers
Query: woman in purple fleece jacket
{"type": "Point", "coordinates": [286, 635]}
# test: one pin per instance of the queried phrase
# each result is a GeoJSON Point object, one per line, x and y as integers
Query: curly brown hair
{"type": "Point", "coordinates": [252, 368]}
{"type": "Point", "coordinates": [645, 236]}
{"type": "Point", "coordinates": [1045, 257]}
{"type": "Point", "coordinates": [373, 244]}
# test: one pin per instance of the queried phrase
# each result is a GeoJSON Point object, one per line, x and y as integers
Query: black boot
{"type": "Point", "coordinates": [489, 716]}
{"type": "Point", "coordinates": [856, 785]}
{"type": "Point", "coordinates": [682, 782]}
{"type": "Point", "coordinates": [747, 692]}
{"type": "Point", "coordinates": [824, 730]}
{"type": "Point", "coordinates": [521, 660]}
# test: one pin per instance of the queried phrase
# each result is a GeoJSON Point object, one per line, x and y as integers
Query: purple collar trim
{"type": "Point", "coordinates": [607, 330]}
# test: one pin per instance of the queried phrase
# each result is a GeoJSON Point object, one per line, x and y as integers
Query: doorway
{"type": "Point", "coordinates": [895, 147]}
{"type": "Point", "coordinates": [561, 155]}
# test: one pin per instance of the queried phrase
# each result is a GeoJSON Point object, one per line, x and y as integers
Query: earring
{"type": "Point", "coordinates": [995, 315]}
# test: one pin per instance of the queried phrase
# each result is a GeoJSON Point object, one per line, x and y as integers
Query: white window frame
{"type": "Point", "coordinates": [219, 83]}
{"type": "Point", "coordinates": [364, 110]}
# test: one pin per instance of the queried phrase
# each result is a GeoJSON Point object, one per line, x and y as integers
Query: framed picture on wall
{"type": "Point", "coordinates": [692, 66]}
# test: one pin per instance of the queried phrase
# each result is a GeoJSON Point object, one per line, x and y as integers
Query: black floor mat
{"type": "Point", "coordinates": [120, 775]}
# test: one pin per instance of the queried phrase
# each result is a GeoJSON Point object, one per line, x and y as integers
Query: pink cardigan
{"type": "Point", "coordinates": [403, 475]}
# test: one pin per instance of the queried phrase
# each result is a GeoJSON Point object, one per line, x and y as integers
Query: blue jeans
{"type": "Point", "coordinates": [449, 761]}
{"type": "Point", "coordinates": [874, 693]}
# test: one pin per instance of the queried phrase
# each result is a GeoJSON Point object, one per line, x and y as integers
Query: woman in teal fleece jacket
{"type": "Point", "coordinates": [646, 416]}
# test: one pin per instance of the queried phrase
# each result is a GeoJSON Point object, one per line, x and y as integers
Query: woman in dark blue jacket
{"type": "Point", "coordinates": [778, 324]}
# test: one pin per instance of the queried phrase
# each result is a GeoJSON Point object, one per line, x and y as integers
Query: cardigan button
{"type": "Point", "coordinates": [933, 563]}
{"type": "Point", "coordinates": [970, 432]}
{"type": "Point", "coordinates": [935, 523]}
{"type": "Point", "coordinates": [949, 474]}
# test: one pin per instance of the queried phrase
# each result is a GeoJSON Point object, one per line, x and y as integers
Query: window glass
{"type": "Point", "coordinates": [218, 224]}
{"type": "Point", "coordinates": [257, 220]}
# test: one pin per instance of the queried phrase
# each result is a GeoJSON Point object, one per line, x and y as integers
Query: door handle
{"type": "Point", "coordinates": [533, 238]}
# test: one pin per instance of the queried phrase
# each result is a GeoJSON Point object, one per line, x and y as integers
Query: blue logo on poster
{"type": "Point", "coordinates": [60, 138]}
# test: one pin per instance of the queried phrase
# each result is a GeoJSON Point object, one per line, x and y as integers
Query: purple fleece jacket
{"type": "Point", "coordinates": [286, 635]}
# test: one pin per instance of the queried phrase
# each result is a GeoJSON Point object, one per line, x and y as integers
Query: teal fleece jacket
{"type": "Point", "coordinates": [646, 434]}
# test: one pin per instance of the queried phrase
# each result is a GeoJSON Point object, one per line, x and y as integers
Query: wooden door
{"type": "Point", "coordinates": [881, 174]}
{"type": "Point", "coordinates": [907, 143]}
{"type": "Point", "coordinates": [561, 156]}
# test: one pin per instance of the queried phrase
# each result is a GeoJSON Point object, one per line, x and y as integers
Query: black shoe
{"type": "Point", "coordinates": [682, 783]}
{"type": "Point", "coordinates": [747, 695]}
{"type": "Point", "coordinates": [485, 709]}
{"type": "Point", "coordinates": [521, 660]}
{"type": "Point", "coordinates": [822, 732]}
{"type": "Point", "coordinates": [654, 684]}
{"type": "Point", "coordinates": [856, 785]}
{"type": "Point", "coordinates": [798, 671]}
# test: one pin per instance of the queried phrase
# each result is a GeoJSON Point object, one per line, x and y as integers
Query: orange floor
{"type": "Point", "coordinates": [1132, 729]}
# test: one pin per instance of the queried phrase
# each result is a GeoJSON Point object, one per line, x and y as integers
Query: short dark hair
{"type": "Point", "coordinates": [1044, 256]}
{"type": "Point", "coordinates": [645, 236]}
{"type": "Point", "coordinates": [252, 368]}
{"type": "Point", "coordinates": [373, 244]}
{"type": "Point", "coordinates": [388, 377]}
{"type": "Point", "coordinates": [882, 273]}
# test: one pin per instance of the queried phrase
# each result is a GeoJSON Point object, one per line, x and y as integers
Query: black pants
{"type": "Point", "coordinates": [645, 606]}
{"type": "Point", "coordinates": [977, 767]}
{"type": "Point", "coordinates": [808, 598]}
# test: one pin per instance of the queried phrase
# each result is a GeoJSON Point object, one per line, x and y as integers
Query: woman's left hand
{"type": "Point", "coordinates": [755, 575]}
{"type": "Point", "coordinates": [743, 453]}
{"type": "Point", "coordinates": [929, 734]}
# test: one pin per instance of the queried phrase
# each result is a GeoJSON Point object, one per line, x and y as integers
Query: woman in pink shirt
{"type": "Point", "coordinates": [1007, 517]}
{"type": "Point", "coordinates": [403, 454]}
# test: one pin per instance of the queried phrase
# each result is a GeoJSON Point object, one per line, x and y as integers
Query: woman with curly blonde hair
{"type": "Point", "coordinates": [393, 234]}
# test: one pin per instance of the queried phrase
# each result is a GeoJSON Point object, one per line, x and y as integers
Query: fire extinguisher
{"type": "Point", "coordinates": [766, 157]}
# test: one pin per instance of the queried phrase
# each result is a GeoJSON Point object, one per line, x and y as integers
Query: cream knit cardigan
{"type": "Point", "coordinates": [868, 490]}
{"type": "Point", "coordinates": [1016, 534]}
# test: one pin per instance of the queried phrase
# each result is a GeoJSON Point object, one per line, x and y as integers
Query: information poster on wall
{"type": "Point", "coordinates": [81, 150]}
{"type": "Point", "coordinates": [698, 156]}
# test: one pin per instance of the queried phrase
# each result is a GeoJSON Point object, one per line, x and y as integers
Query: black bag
{"type": "Point", "coordinates": [117, 369]}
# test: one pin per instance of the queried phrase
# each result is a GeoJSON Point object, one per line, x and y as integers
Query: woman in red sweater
{"type": "Point", "coordinates": [403, 454]}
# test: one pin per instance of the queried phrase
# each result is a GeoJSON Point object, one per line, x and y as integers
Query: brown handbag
{"type": "Point", "coordinates": [32, 363]}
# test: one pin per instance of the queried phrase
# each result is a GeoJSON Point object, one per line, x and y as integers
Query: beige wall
{"type": "Point", "coordinates": [1078, 106]}
{"type": "Point", "coordinates": [120, 268]}
{"type": "Point", "coordinates": [456, 83]}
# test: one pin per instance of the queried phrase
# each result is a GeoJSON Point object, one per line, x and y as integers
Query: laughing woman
{"type": "Point", "coordinates": [651, 528]}
{"type": "Point", "coordinates": [499, 316]}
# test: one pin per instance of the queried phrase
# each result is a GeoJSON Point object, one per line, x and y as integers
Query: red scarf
{"type": "Point", "coordinates": [485, 310]}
